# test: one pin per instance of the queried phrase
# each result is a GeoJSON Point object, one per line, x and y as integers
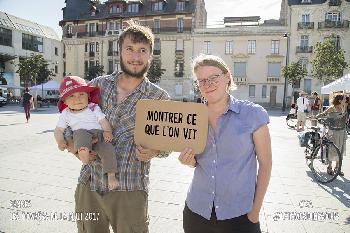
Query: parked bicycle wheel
{"type": "Point", "coordinates": [291, 121]}
{"type": "Point", "coordinates": [320, 162]}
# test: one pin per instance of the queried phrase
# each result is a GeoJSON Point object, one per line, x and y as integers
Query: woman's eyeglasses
{"type": "Point", "coordinates": [209, 81]}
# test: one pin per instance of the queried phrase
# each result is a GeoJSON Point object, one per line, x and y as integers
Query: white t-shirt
{"type": "Point", "coordinates": [302, 103]}
{"type": "Point", "coordinates": [87, 119]}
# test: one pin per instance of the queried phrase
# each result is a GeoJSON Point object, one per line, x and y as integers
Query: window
{"type": "Point", "coordinates": [332, 16]}
{"type": "Point", "coordinates": [275, 44]}
{"type": "Point", "coordinates": [263, 91]}
{"type": "Point", "coordinates": [70, 29]}
{"type": "Point", "coordinates": [179, 44]}
{"type": "Point", "coordinates": [251, 90]}
{"type": "Point", "coordinates": [156, 26]}
{"type": "Point", "coordinates": [156, 50]}
{"type": "Point", "coordinates": [229, 47]}
{"type": "Point", "coordinates": [303, 62]}
{"type": "Point", "coordinates": [157, 6]}
{"type": "Point", "coordinates": [91, 63]}
{"type": "Point", "coordinates": [92, 47]}
{"type": "Point", "coordinates": [110, 67]}
{"type": "Point", "coordinates": [56, 51]}
{"type": "Point", "coordinates": [251, 46]}
{"type": "Point", "coordinates": [307, 85]}
{"type": "Point", "coordinates": [5, 37]}
{"type": "Point", "coordinates": [97, 47]}
{"type": "Point", "coordinates": [97, 63]}
{"type": "Point", "coordinates": [304, 41]}
{"type": "Point", "coordinates": [110, 26]}
{"type": "Point", "coordinates": [56, 69]}
{"type": "Point", "coordinates": [274, 69]}
{"type": "Point", "coordinates": [86, 65]}
{"type": "Point", "coordinates": [32, 43]}
{"type": "Point", "coordinates": [116, 8]}
{"type": "Point", "coordinates": [180, 25]}
{"type": "Point", "coordinates": [207, 49]}
{"type": "Point", "coordinates": [86, 47]}
{"type": "Point", "coordinates": [239, 69]}
{"type": "Point", "coordinates": [305, 18]}
{"type": "Point", "coordinates": [336, 41]}
{"type": "Point", "coordinates": [180, 5]}
{"type": "Point", "coordinates": [179, 68]}
{"type": "Point", "coordinates": [133, 8]}
{"type": "Point", "coordinates": [305, 1]}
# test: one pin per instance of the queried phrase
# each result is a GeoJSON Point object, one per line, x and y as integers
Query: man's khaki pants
{"type": "Point", "coordinates": [125, 211]}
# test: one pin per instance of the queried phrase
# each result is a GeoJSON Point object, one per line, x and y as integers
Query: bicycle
{"type": "Point", "coordinates": [291, 120]}
{"type": "Point", "coordinates": [318, 150]}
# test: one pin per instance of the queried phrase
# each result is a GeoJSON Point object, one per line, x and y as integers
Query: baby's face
{"type": "Point", "coordinates": [77, 100]}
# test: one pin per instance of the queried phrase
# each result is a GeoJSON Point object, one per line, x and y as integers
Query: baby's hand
{"type": "Point", "coordinates": [107, 135]}
{"type": "Point", "coordinates": [62, 145]}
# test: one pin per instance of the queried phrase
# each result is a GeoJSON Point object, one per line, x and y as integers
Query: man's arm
{"type": "Point", "coordinates": [61, 143]}
{"type": "Point", "coordinates": [262, 142]}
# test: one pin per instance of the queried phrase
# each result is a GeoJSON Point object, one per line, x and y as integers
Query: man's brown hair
{"type": "Point", "coordinates": [137, 34]}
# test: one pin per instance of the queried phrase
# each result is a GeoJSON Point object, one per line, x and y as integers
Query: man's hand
{"type": "Point", "coordinates": [62, 145]}
{"type": "Point", "coordinates": [144, 154]}
{"type": "Point", "coordinates": [108, 136]}
{"type": "Point", "coordinates": [187, 157]}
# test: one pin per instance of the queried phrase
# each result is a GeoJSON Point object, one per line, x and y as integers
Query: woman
{"type": "Point", "coordinates": [337, 115]}
{"type": "Point", "coordinates": [27, 100]}
{"type": "Point", "coordinates": [227, 192]}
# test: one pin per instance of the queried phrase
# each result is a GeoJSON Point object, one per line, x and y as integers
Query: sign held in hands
{"type": "Point", "coordinates": [170, 125]}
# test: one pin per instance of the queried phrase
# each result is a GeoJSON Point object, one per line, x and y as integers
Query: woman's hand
{"type": "Point", "coordinates": [187, 157]}
{"type": "Point", "coordinates": [253, 217]}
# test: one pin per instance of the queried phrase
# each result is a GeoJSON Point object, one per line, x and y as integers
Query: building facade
{"type": "Point", "coordinates": [309, 22]}
{"type": "Point", "coordinates": [91, 30]}
{"type": "Point", "coordinates": [19, 38]}
{"type": "Point", "coordinates": [255, 54]}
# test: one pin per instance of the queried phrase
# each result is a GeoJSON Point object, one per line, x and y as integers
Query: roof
{"type": "Point", "coordinates": [13, 22]}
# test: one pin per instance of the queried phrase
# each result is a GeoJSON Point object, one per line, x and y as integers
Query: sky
{"type": "Point", "coordinates": [49, 12]}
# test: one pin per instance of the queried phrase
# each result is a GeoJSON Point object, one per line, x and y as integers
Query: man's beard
{"type": "Point", "coordinates": [129, 72]}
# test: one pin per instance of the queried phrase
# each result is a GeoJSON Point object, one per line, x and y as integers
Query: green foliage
{"type": "Point", "coordinates": [34, 69]}
{"type": "Point", "coordinates": [155, 72]}
{"type": "Point", "coordinates": [93, 72]}
{"type": "Point", "coordinates": [329, 61]}
{"type": "Point", "coordinates": [294, 72]}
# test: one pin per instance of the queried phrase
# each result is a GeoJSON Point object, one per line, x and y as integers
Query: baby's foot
{"type": "Point", "coordinates": [84, 155]}
{"type": "Point", "coordinates": [112, 181]}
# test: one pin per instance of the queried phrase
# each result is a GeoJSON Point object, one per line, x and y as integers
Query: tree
{"type": "Point", "coordinates": [93, 72]}
{"type": "Point", "coordinates": [328, 63]}
{"type": "Point", "coordinates": [294, 72]}
{"type": "Point", "coordinates": [155, 72]}
{"type": "Point", "coordinates": [34, 69]}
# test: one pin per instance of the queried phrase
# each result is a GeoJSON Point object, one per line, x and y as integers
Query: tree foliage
{"type": "Point", "coordinates": [34, 69]}
{"type": "Point", "coordinates": [294, 72]}
{"type": "Point", "coordinates": [93, 72]}
{"type": "Point", "coordinates": [328, 63]}
{"type": "Point", "coordinates": [155, 72]}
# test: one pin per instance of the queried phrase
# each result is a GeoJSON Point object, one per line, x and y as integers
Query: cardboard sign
{"type": "Point", "coordinates": [170, 125]}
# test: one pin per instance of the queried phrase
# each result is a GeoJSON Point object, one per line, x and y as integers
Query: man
{"type": "Point", "coordinates": [303, 104]}
{"type": "Point", "coordinates": [315, 108]}
{"type": "Point", "coordinates": [126, 208]}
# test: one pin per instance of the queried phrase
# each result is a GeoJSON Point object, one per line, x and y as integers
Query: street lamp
{"type": "Point", "coordinates": [287, 36]}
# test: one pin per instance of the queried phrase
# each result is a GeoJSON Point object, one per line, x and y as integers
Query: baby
{"type": "Point", "coordinates": [79, 110]}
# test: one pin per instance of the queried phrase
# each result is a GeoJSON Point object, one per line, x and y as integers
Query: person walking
{"type": "Point", "coordinates": [302, 104]}
{"type": "Point", "coordinates": [27, 102]}
{"type": "Point", "coordinates": [227, 190]}
{"type": "Point", "coordinates": [315, 107]}
{"type": "Point", "coordinates": [126, 208]}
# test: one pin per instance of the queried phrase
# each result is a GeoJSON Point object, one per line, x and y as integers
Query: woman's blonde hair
{"type": "Point", "coordinates": [212, 60]}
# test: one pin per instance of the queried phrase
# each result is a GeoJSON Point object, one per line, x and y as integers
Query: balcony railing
{"type": "Point", "coordinates": [91, 54]}
{"type": "Point", "coordinates": [68, 35]}
{"type": "Point", "coordinates": [333, 24]}
{"type": "Point", "coordinates": [112, 53]}
{"type": "Point", "coordinates": [156, 52]}
{"type": "Point", "coordinates": [304, 49]}
{"type": "Point", "coordinates": [171, 30]}
{"type": "Point", "coordinates": [271, 79]}
{"type": "Point", "coordinates": [179, 73]}
{"type": "Point", "coordinates": [240, 80]}
{"type": "Point", "coordinates": [334, 2]}
{"type": "Point", "coordinates": [90, 34]}
{"type": "Point", "coordinates": [306, 25]}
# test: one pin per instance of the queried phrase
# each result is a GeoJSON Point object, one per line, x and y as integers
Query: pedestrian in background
{"type": "Point", "coordinates": [337, 115]}
{"type": "Point", "coordinates": [302, 104]}
{"type": "Point", "coordinates": [27, 102]}
{"type": "Point", "coordinates": [227, 190]}
{"type": "Point", "coordinates": [315, 107]}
